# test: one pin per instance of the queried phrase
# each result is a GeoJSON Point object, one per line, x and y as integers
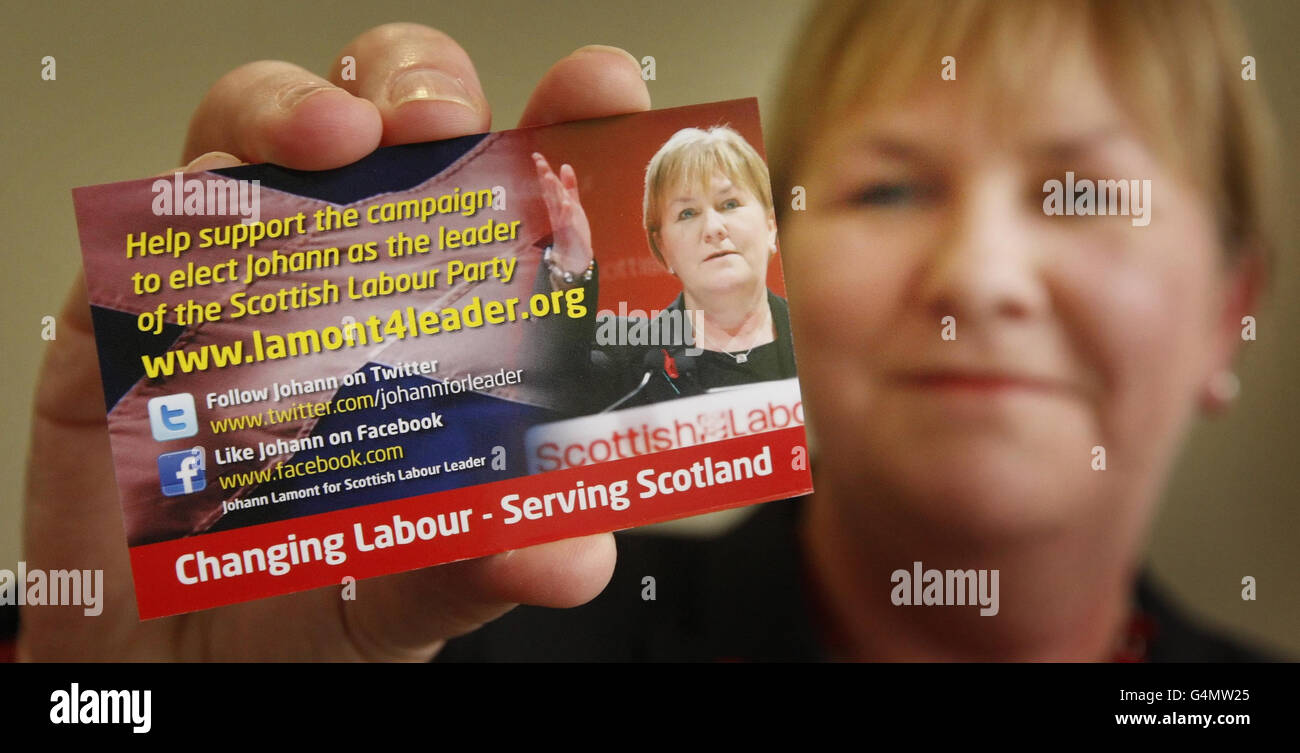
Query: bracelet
{"type": "Point", "coordinates": [568, 277]}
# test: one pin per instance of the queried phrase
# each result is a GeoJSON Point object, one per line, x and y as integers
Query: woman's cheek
{"type": "Point", "coordinates": [1134, 312]}
{"type": "Point", "coordinates": [844, 283]}
{"type": "Point", "coordinates": [844, 290]}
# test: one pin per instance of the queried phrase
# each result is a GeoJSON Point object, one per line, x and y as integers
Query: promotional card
{"type": "Point", "coordinates": [443, 351]}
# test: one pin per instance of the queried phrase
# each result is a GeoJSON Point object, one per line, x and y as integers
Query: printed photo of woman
{"type": "Point", "coordinates": [709, 220]}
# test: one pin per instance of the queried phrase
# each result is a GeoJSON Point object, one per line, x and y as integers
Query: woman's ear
{"type": "Point", "coordinates": [1244, 281]}
{"type": "Point", "coordinates": [656, 244]}
{"type": "Point", "coordinates": [771, 233]}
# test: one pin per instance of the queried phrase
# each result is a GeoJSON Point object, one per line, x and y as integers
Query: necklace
{"type": "Point", "coordinates": [742, 357]}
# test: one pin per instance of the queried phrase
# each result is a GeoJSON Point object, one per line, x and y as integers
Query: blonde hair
{"type": "Point", "coordinates": [690, 157]}
{"type": "Point", "coordinates": [1175, 65]}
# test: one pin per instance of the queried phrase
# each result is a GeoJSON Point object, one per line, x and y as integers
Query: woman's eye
{"type": "Point", "coordinates": [686, 214]}
{"type": "Point", "coordinates": [730, 204]}
{"type": "Point", "coordinates": [890, 194]}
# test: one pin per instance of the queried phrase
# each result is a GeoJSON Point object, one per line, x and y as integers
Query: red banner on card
{"type": "Point", "coordinates": [215, 569]}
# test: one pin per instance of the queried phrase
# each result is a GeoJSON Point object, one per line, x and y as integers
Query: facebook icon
{"type": "Point", "coordinates": [173, 417]}
{"type": "Point", "coordinates": [182, 472]}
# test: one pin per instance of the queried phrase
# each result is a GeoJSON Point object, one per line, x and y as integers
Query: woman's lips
{"type": "Point", "coordinates": [977, 382]}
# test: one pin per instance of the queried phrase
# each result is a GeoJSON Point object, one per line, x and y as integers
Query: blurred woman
{"type": "Point", "coordinates": [996, 388]}
{"type": "Point", "coordinates": [1035, 436]}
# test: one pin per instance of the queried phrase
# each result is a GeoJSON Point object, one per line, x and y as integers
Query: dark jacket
{"type": "Point", "coordinates": [585, 375]}
{"type": "Point", "coordinates": [741, 597]}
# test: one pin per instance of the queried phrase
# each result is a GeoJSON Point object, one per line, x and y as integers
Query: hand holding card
{"type": "Point", "coordinates": [413, 84]}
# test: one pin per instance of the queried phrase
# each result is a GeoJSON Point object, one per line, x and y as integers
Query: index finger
{"type": "Point", "coordinates": [591, 82]}
{"type": "Point", "coordinates": [273, 111]}
{"type": "Point", "coordinates": [422, 81]}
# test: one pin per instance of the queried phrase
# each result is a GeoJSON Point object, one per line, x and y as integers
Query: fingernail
{"type": "Point", "coordinates": [212, 161]}
{"type": "Point", "coordinates": [425, 85]}
{"type": "Point", "coordinates": [293, 96]}
{"type": "Point", "coordinates": [607, 48]}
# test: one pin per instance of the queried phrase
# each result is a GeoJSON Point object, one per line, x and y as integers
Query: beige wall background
{"type": "Point", "coordinates": [130, 75]}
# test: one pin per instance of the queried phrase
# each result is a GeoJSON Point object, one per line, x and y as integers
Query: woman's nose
{"type": "Point", "coordinates": [715, 227]}
{"type": "Point", "coordinates": [985, 265]}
